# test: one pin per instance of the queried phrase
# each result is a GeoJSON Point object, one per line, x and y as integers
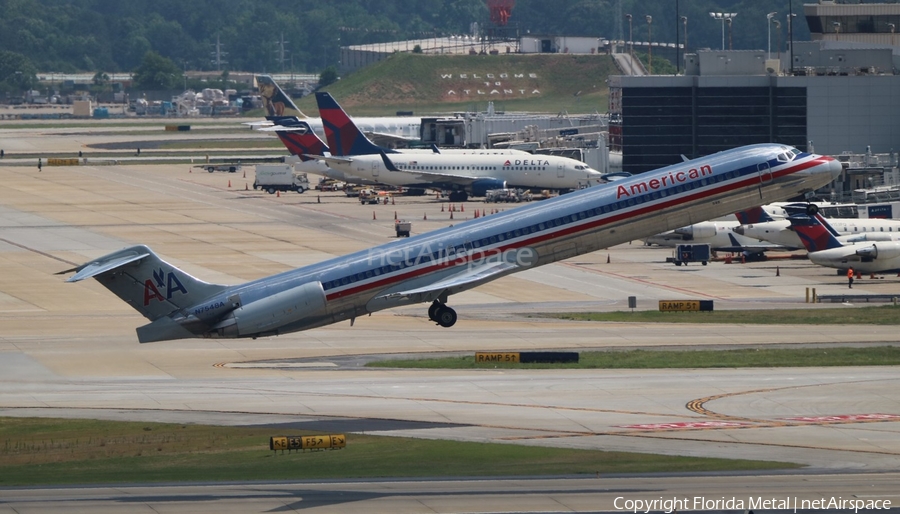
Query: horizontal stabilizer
{"type": "Point", "coordinates": [163, 329]}
{"type": "Point", "coordinates": [330, 158]}
{"type": "Point", "coordinates": [104, 264]}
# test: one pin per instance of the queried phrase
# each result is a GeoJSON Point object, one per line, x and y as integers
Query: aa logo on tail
{"type": "Point", "coordinates": [167, 282]}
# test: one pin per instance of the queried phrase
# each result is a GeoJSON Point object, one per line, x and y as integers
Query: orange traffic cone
{"type": "Point", "coordinates": [777, 271]}
{"type": "Point", "coordinates": [277, 194]}
{"type": "Point", "coordinates": [245, 173]}
{"type": "Point", "coordinates": [392, 201]}
{"type": "Point", "coordinates": [425, 217]}
{"type": "Point", "coordinates": [462, 207]}
{"type": "Point", "coordinates": [373, 215]}
{"type": "Point", "coordinates": [476, 213]}
{"type": "Point", "coordinates": [451, 215]}
{"type": "Point", "coordinates": [246, 187]}
{"type": "Point", "coordinates": [395, 214]}
{"type": "Point", "coordinates": [229, 183]}
{"type": "Point", "coordinates": [442, 207]}
{"type": "Point", "coordinates": [607, 258]}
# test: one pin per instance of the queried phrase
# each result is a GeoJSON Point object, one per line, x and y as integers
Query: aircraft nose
{"type": "Point", "coordinates": [739, 230]}
{"type": "Point", "coordinates": [835, 168]}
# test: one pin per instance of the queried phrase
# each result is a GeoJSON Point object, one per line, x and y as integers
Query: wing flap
{"type": "Point", "coordinates": [466, 279]}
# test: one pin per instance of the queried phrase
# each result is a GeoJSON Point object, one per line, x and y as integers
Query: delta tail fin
{"type": "Point", "coordinates": [151, 285]}
{"type": "Point", "coordinates": [344, 137]}
{"type": "Point", "coordinates": [813, 233]}
{"type": "Point", "coordinates": [275, 101]}
{"type": "Point", "coordinates": [298, 137]}
{"type": "Point", "coordinates": [754, 215]}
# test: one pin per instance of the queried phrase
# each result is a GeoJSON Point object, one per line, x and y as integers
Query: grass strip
{"type": "Point", "coordinates": [877, 315]}
{"type": "Point", "coordinates": [38, 451]}
{"type": "Point", "coordinates": [661, 359]}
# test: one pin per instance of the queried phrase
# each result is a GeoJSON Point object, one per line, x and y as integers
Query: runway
{"type": "Point", "coordinates": [70, 350]}
{"type": "Point", "coordinates": [585, 494]}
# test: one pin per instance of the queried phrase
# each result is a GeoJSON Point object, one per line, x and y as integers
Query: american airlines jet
{"type": "Point", "coordinates": [429, 268]}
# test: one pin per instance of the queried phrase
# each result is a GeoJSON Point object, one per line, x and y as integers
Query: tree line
{"type": "Point", "coordinates": [115, 36]}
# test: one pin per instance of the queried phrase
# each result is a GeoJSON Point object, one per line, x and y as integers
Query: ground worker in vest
{"type": "Point", "coordinates": [850, 277]}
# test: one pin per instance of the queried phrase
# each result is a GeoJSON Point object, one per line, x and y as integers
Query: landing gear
{"type": "Point", "coordinates": [442, 315]}
{"type": "Point", "coordinates": [458, 196]}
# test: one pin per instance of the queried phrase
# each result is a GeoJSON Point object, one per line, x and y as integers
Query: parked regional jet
{"type": "Point", "coordinates": [431, 267]}
{"type": "Point", "coordinates": [384, 128]}
{"type": "Point", "coordinates": [825, 249]}
{"type": "Point", "coordinates": [720, 235]}
{"type": "Point", "coordinates": [846, 230]}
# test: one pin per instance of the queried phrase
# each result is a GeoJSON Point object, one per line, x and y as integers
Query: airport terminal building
{"type": "Point", "coordinates": [831, 95]}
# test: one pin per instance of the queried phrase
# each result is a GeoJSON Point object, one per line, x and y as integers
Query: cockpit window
{"type": "Point", "coordinates": [789, 154]}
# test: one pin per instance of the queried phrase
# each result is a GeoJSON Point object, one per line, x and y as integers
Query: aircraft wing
{"type": "Point", "coordinates": [737, 246]}
{"type": "Point", "coordinates": [281, 128]}
{"type": "Point", "coordinates": [445, 178]}
{"type": "Point", "coordinates": [384, 139]}
{"type": "Point", "coordinates": [467, 278]}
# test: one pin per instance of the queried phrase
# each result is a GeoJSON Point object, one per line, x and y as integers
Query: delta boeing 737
{"type": "Point", "coordinates": [430, 267]}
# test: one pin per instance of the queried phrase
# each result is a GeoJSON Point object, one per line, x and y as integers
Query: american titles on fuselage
{"type": "Point", "coordinates": [666, 180]}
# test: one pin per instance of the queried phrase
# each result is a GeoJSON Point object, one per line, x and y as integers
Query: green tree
{"type": "Point", "coordinates": [329, 76]}
{"type": "Point", "coordinates": [17, 74]}
{"type": "Point", "coordinates": [101, 83]}
{"type": "Point", "coordinates": [157, 72]}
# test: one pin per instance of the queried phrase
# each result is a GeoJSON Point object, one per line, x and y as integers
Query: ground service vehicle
{"type": "Point", "coordinates": [279, 177]}
{"type": "Point", "coordinates": [402, 228]}
{"type": "Point", "coordinates": [690, 253]}
{"type": "Point", "coordinates": [229, 167]}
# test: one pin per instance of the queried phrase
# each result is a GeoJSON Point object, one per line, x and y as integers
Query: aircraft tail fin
{"type": "Point", "coordinates": [814, 235]}
{"type": "Point", "coordinates": [754, 215]}
{"type": "Point", "coordinates": [344, 137]}
{"type": "Point", "coordinates": [275, 101]}
{"type": "Point", "coordinates": [151, 285]}
{"type": "Point", "coordinates": [298, 137]}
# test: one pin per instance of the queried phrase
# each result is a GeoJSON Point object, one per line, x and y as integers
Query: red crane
{"type": "Point", "coordinates": [500, 11]}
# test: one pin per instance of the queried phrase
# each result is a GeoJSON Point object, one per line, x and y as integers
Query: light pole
{"type": "Point", "coordinates": [684, 21]}
{"type": "Point", "coordinates": [722, 16]}
{"type": "Point", "coordinates": [837, 29]}
{"type": "Point", "coordinates": [893, 29]}
{"type": "Point", "coordinates": [790, 27]}
{"type": "Point", "coordinates": [769, 28]}
{"type": "Point", "coordinates": [649, 44]}
{"type": "Point", "coordinates": [778, 33]}
{"type": "Point", "coordinates": [630, 39]}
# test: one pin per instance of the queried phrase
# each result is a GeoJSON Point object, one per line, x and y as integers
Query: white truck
{"type": "Point", "coordinates": [279, 177]}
